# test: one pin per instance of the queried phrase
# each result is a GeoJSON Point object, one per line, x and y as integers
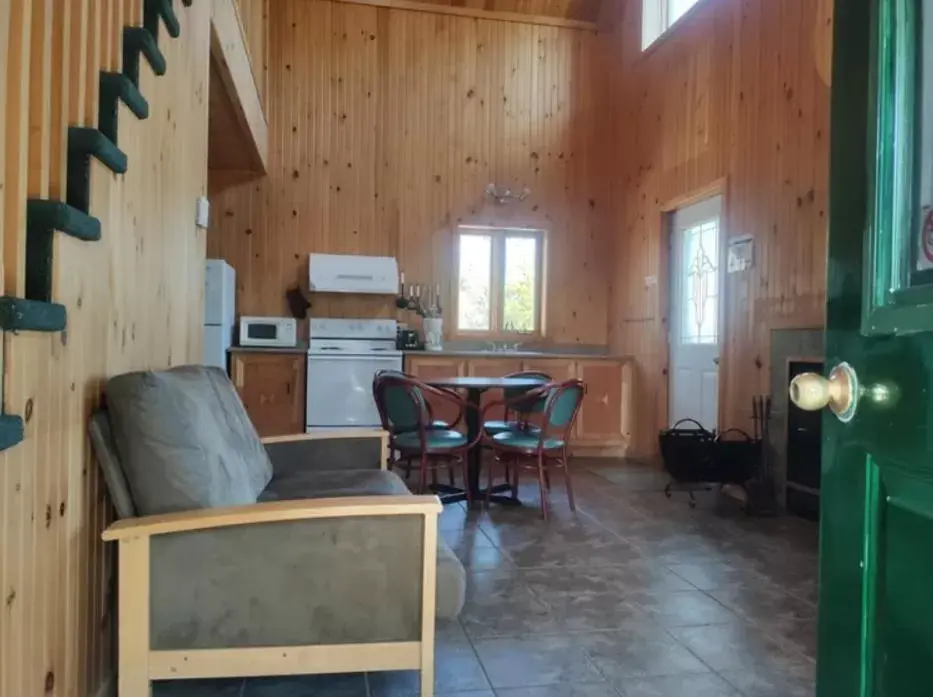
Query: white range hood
{"type": "Point", "coordinates": [347, 273]}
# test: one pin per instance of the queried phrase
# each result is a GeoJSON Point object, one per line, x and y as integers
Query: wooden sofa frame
{"type": "Point", "coordinates": [138, 665]}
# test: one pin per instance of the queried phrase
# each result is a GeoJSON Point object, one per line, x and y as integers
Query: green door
{"type": "Point", "coordinates": [876, 557]}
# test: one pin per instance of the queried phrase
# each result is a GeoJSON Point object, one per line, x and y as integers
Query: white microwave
{"type": "Point", "coordinates": [273, 332]}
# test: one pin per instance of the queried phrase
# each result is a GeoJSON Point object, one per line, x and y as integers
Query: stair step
{"type": "Point", "coordinates": [114, 88]}
{"type": "Point", "coordinates": [161, 9]}
{"type": "Point", "coordinates": [139, 41]}
{"type": "Point", "coordinates": [22, 315]}
{"type": "Point", "coordinates": [11, 431]}
{"type": "Point", "coordinates": [57, 215]}
{"type": "Point", "coordinates": [43, 218]}
{"type": "Point", "coordinates": [83, 144]}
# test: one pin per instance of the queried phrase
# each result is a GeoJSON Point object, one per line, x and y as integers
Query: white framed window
{"type": "Point", "coordinates": [660, 15]}
{"type": "Point", "coordinates": [500, 280]}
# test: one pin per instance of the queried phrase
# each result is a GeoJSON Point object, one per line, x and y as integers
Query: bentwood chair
{"type": "Point", "coordinates": [405, 414]}
{"type": "Point", "coordinates": [517, 411]}
{"type": "Point", "coordinates": [433, 422]}
{"type": "Point", "coordinates": [538, 450]}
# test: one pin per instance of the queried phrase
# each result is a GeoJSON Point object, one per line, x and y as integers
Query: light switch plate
{"type": "Point", "coordinates": [203, 215]}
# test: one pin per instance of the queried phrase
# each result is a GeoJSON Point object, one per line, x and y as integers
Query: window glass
{"type": "Point", "coordinates": [473, 304]}
{"type": "Point", "coordinates": [518, 298]}
{"type": "Point", "coordinates": [700, 286]}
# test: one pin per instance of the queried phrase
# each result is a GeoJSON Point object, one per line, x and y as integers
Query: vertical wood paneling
{"type": "Point", "coordinates": [254, 18]}
{"type": "Point", "coordinates": [734, 92]}
{"type": "Point", "coordinates": [386, 125]}
{"type": "Point", "coordinates": [134, 301]}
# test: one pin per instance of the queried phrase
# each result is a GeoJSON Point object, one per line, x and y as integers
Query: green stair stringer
{"type": "Point", "coordinates": [116, 88]}
{"type": "Point", "coordinates": [11, 431]}
{"type": "Point", "coordinates": [22, 315]}
{"type": "Point", "coordinates": [153, 11]}
{"type": "Point", "coordinates": [43, 218]}
{"type": "Point", "coordinates": [138, 41]}
{"type": "Point", "coordinates": [83, 144]}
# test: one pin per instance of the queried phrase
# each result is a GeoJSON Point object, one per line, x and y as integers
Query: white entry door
{"type": "Point", "coordinates": [694, 322]}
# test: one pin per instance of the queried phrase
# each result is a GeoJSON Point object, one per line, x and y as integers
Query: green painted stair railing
{"type": "Point", "coordinates": [36, 312]}
{"type": "Point", "coordinates": [154, 10]}
{"type": "Point", "coordinates": [138, 41]}
{"type": "Point", "coordinates": [116, 88]}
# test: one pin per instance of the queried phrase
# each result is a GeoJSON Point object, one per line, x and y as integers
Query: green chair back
{"type": "Point", "coordinates": [532, 406]}
{"type": "Point", "coordinates": [563, 403]}
{"type": "Point", "coordinates": [402, 406]}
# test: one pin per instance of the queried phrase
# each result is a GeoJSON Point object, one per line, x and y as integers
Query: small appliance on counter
{"type": "Point", "coordinates": [219, 311]}
{"type": "Point", "coordinates": [269, 332]}
{"type": "Point", "coordinates": [408, 340]}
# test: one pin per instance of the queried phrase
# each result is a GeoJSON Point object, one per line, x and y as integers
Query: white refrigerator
{"type": "Point", "coordinates": [219, 311]}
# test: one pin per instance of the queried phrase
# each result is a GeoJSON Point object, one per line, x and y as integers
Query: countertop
{"type": "Point", "coordinates": [557, 354]}
{"type": "Point", "coordinates": [531, 355]}
{"type": "Point", "coordinates": [302, 347]}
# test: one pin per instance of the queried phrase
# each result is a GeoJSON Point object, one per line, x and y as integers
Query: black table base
{"type": "Point", "coordinates": [454, 494]}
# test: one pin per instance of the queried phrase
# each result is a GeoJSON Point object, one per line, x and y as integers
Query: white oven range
{"type": "Point", "coordinates": [343, 357]}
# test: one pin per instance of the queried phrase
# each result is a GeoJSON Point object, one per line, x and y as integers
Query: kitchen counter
{"type": "Point", "coordinates": [556, 354]}
{"type": "Point", "coordinates": [302, 347]}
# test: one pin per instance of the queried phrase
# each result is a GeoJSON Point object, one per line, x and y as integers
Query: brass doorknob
{"type": "Point", "coordinates": [812, 392]}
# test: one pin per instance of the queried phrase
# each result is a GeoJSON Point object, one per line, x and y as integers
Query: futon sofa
{"type": "Point", "coordinates": [241, 557]}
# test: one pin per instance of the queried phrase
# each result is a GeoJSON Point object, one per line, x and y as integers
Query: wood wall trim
{"type": "Point", "coordinates": [542, 20]}
{"type": "Point", "coordinates": [231, 57]}
{"type": "Point", "coordinates": [283, 660]}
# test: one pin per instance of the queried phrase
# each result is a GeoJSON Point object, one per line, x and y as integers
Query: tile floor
{"type": "Point", "coordinates": [634, 595]}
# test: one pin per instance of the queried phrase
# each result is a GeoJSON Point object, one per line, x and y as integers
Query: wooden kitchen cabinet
{"type": "Point", "coordinates": [603, 418]}
{"type": "Point", "coordinates": [427, 367]}
{"type": "Point", "coordinates": [272, 387]}
{"type": "Point", "coordinates": [493, 368]}
{"type": "Point", "coordinates": [559, 369]}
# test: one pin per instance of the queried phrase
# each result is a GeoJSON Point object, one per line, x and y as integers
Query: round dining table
{"type": "Point", "coordinates": [474, 386]}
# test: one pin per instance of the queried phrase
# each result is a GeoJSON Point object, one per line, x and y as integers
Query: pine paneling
{"type": "Point", "coordinates": [134, 300]}
{"type": "Point", "coordinates": [737, 91]}
{"type": "Point", "coordinates": [584, 10]}
{"type": "Point", "coordinates": [254, 18]}
{"type": "Point", "coordinates": [386, 126]}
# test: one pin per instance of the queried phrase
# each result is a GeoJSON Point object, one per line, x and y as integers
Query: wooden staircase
{"type": "Point", "coordinates": [37, 311]}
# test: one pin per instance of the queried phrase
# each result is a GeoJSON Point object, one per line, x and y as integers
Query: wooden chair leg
{"type": "Point", "coordinates": [423, 474]}
{"type": "Point", "coordinates": [569, 480]}
{"type": "Point", "coordinates": [434, 474]}
{"type": "Point", "coordinates": [517, 467]}
{"type": "Point", "coordinates": [489, 477]}
{"type": "Point", "coordinates": [542, 486]}
{"type": "Point", "coordinates": [407, 468]}
{"type": "Point", "coordinates": [547, 478]}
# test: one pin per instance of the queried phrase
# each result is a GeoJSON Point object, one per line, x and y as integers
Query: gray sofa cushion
{"type": "Point", "coordinates": [185, 441]}
{"type": "Point", "coordinates": [451, 578]}
{"type": "Point", "coordinates": [333, 483]}
{"type": "Point", "coordinates": [102, 438]}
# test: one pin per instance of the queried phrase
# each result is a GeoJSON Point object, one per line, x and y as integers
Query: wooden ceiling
{"type": "Point", "coordinates": [580, 10]}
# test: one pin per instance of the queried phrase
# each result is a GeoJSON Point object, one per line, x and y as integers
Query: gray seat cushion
{"type": "Point", "coordinates": [322, 484]}
{"type": "Point", "coordinates": [185, 441]}
{"type": "Point", "coordinates": [451, 577]}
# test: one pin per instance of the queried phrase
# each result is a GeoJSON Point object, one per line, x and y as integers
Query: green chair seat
{"type": "Point", "coordinates": [519, 440]}
{"type": "Point", "coordinates": [436, 440]}
{"type": "Point", "coordinates": [496, 427]}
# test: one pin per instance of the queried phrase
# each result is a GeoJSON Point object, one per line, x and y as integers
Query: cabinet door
{"type": "Point", "coordinates": [428, 367]}
{"type": "Point", "coordinates": [601, 417]}
{"type": "Point", "coordinates": [272, 388]}
{"type": "Point", "coordinates": [559, 369]}
{"type": "Point", "coordinates": [493, 368]}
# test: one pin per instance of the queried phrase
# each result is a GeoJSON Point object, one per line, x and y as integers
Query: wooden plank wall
{"type": "Point", "coordinates": [585, 10]}
{"type": "Point", "coordinates": [386, 126]}
{"type": "Point", "coordinates": [134, 300]}
{"type": "Point", "coordinates": [254, 18]}
{"type": "Point", "coordinates": [738, 90]}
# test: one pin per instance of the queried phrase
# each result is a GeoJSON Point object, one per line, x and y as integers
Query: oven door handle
{"type": "Point", "coordinates": [370, 357]}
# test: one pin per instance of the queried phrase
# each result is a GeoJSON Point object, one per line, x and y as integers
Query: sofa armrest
{"type": "Point", "coordinates": [363, 448]}
{"type": "Point", "coordinates": [274, 512]}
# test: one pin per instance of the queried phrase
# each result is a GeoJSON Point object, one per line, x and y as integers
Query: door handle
{"type": "Point", "coordinates": [842, 392]}
{"type": "Point", "coordinates": [716, 360]}
{"type": "Point", "coordinates": [812, 392]}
